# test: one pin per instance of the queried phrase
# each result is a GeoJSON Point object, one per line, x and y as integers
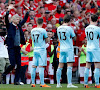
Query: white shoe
{"type": "Point", "coordinates": [58, 86]}
{"type": "Point", "coordinates": [71, 86]}
{"type": "Point", "coordinates": [21, 83]}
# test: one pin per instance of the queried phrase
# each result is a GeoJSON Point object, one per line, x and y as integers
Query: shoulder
{"type": "Point", "coordinates": [32, 30]}
{"type": "Point", "coordinates": [43, 30]}
{"type": "Point", "coordinates": [59, 27]}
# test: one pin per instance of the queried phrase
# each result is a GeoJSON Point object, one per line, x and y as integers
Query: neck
{"type": "Point", "coordinates": [14, 24]}
{"type": "Point", "coordinates": [93, 23]}
{"type": "Point", "coordinates": [65, 24]}
{"type": "Point", "coordinates": [39, 26]}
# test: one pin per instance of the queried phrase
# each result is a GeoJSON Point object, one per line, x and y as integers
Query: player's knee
{"type": "Point", "coordinates": [59, 70]}
{"type": "Point", "coordinates": [34, 66]}
{"type": "Point", "coordinates": [41, 66]}
{"type": "Point", "coordinates": [97, 65]}
{"type": "Point", "coordinates": [61, 65]}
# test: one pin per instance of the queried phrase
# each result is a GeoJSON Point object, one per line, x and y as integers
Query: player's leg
{"type": "Point", "coordinates": [33, 72]}
{"type": "Point", "coordinates": [89, 59]}
{"type": "Point", "coordinates": [41, 74]}
{"type": "Point", "coordinates": [62, 60]}
{"type": "Point", "coordinates": [96, 59]}
{"type": "Point", "coordinates": [69, 72]}
{"type": "Point", "coordinates": [70, 60]}
{"type": "Point", "coordinates": [69, 75]}
{"type": "Point", "coordinates": [33, 75]}
{"type": "Point", "coordinates": [96, 74]}
{"type": "Point", "coordinates": [58, 74]}
{"type": "Point", "coordinates": [86, 74]}
{"type": "Point", "coordinates": [42, 63]}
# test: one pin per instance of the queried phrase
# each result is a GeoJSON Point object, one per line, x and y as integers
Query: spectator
{"type": "Point", "coordinates": [82, 55]}
{"type": "Point", "coordinates": [24, 57]}
{"type": "Point", "coordinates": [4, 58]}
{"type": "Point", "coordinates": [13, 42]}
{"type": "Point", "coordinates": [49, 28]}
{"type": "Point", "coordinates": [29, 27]}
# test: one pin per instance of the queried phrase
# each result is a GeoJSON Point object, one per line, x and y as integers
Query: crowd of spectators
{"type": "Point", "coordinates": [52, 12]}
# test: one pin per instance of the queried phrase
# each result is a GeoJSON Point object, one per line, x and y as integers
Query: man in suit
{"type": "Point", "coordinates": [15, 37]}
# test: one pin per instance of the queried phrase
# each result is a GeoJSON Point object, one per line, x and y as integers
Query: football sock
{"type": "Point", "coordinates": [86, 74]}
{"type": "Point", "coordinates": [41, 75]}
{"type": "Point", "coordinates": [33, 75]}
{"type": "Point", "coordinates": [96, 76]}
{"type": "Point", "coordinates": [69, 75]}
{"type": "Point", "coordinates": [58, 75]}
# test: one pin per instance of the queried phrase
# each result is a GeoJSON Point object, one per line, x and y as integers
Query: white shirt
{"type": "Point", "coordinates": [3, 48]}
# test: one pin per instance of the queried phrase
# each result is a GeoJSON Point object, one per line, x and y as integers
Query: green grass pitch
{"type": "Point", "coordinates": [53, 87]}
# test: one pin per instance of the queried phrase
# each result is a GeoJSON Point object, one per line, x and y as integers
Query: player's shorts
{"type": "Point", "coordinates": [93, 56]}
{"type": "Point", "coordinates": [40, 58]}
{"type": "Point", "coordinates": [67, 56]}
{"type": "Point", "coordinates": [4, 62]}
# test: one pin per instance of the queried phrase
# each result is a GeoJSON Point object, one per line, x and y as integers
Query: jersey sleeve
{"type": "Point", "coordinates": [45, 34]}
{"type": "Point", "coordinates": [72, 33]}
{"type": "Point", "coordinates": [99, 31]}
{"type": "Point", "coordinates": [31, 32]}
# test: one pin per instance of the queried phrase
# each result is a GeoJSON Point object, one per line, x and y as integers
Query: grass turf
{"type": "Point", "coordinates": [53, 87]}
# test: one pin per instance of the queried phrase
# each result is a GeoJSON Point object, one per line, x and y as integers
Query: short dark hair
{"type": "Point", "coordinates": [26, 31]}
{"type": "Point", "coordinates": [66, 18]}
{"type": "Point", "coordinates": [94, 18]}
{"type": "Point", "coordinates": [40, 21]}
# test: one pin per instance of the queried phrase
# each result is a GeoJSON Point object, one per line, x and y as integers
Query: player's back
{"type": "Point", "coordinates": [65, 34]}
{"type": "Point", "coordinates": [38, 35]}
{"type": "Point", "coordinates": [92, 34]}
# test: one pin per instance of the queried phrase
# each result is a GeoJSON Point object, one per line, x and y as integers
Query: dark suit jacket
{"type": "Point", "coordinates": [11, 31]}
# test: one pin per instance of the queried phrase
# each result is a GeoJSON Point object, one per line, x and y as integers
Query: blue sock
{"type": "Point", "coordinates": [33, 75]}
{"type": "Point", "coordinates": [41, 75]}
{"type": "Point", "coordinates": [96, 76]}
{"type": "Point", "coordinates": [69, 75]}
{"type": "Point", "coordinates": [86, 75]}
{"type": "Point", "coordinates": [58, 75]}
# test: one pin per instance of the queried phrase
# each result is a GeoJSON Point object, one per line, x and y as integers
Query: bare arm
{"type": "Point", "coordinates": [83, 51]}
{"type": "Point", "coordinates": [18, 4]}
{"type": "Point", "coordinates": [31, 49]}
{"type": "Point", "coordinates": [26, 16]}
{"type": "Point", "coordinates": [74, 38]}
{"type": "Point", "coordinates": [24, 51]}
{"type": "Point", "coordinates": [9, 2]}
{"type": "Point", "coordinates": [95, 3]}
{"type": "Point", "coordinates": [88, 3]}
{"type": "Point", "coordinates": [51, 53]}
{"type": "Point", "coordinates": [79, 54]}
{"type": "Point", "coordinates": [47, 40]}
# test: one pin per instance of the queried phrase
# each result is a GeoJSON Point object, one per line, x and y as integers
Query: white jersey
{"type": "Point", "coordinates": [38, 37]}
{"type": "Point", "coordinates": [65, 35]}
{"type": "Point", "coordinates": [92, 34]}
{"type": "Point", "coordinates": [3, 48]}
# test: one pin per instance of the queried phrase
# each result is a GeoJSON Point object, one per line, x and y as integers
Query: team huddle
{"type": "Point", "coordinates": [65, 35]}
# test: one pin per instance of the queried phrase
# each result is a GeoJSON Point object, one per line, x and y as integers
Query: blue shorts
{"type": "Point", "coordinates": [67, 56]}
{"type": "Point", "coordinates": [93, 56]}
{"type": "Point", "coordinates": [40, 58]}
